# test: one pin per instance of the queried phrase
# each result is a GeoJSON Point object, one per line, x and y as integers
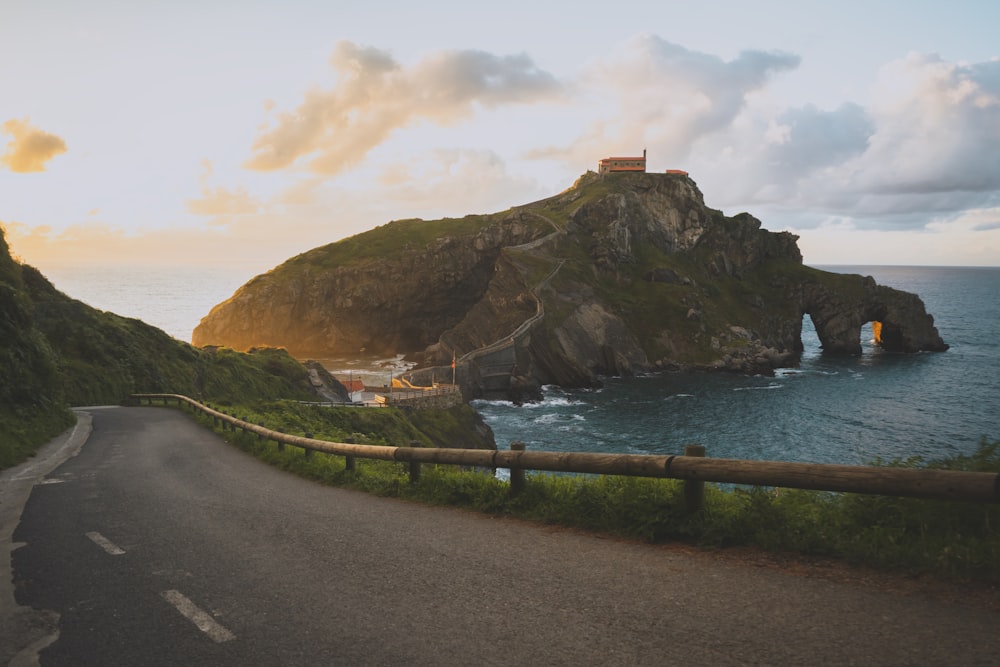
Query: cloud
{"type": "Point", "coordinates": [933, 150]}
{"type": "Point", "coordinates": [953, 242]}
{"type": "Point", "coordinates": [310, 212]}
{"type": "Point", "coordinates": [658, 94]}
{"type": "Point", "coordinates": [99, 243]}
{"type": "Point", "coordinates": [972, 220]}
{"type": "Point", "coordinates": [223, 201]}
{"type": "Point", "coordinates": [375, 96]}
{"type": "Point", "coordinates": [456, 182]}
{"type": "Point", "coordinates": [938, 129]}
{"type": "Point", "coordinates": [922, 151]}
{"type": "Point", "coordinates": [30, 148]}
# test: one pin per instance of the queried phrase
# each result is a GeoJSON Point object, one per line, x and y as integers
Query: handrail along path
{"type": "Point", "coordinates": [950, 485]}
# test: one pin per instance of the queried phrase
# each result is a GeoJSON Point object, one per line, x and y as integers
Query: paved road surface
{"type": "Point", "coordinates": [158, 544]}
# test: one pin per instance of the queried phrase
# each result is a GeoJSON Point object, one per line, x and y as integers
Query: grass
{"type": "Point", "coordinates": [956, 541]}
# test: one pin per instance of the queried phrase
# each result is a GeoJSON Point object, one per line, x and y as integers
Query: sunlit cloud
{"type": "Point", "coordinates": [461, 132]}
{"type": "Point", "coordinates": [223, 201]}
{"type": "Point", "coordinates": [658, 94]}
{"type": "Point", "coordinates": [314, 211]}
{"type": "Point", "coordinates": [96, 242]}
{"type": "Point", "coordinates": [457, 182]}
{"type": "Point", "coordinates": [29, 148]}
{"type": "Point", "coordinates": [375, 96]}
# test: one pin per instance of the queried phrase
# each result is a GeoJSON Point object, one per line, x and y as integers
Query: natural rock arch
{"type": "Point", "coordinates": [900, 321]}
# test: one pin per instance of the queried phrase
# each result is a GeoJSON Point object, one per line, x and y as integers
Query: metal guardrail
{"type": "Point", "coordinates": [694, 468]}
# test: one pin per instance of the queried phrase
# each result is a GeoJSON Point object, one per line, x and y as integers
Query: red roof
{"type": "Point", "coordinates": [353, 384]}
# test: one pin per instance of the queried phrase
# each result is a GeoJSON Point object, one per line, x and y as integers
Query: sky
{"type": "Point", "coordinates": [218, 131]}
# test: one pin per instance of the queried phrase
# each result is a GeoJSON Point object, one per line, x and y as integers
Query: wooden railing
{"type": "Point", "coordinates": [694, 468]}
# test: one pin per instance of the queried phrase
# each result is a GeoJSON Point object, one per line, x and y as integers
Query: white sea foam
{"type": "Point", "coordinates": [555, 417]}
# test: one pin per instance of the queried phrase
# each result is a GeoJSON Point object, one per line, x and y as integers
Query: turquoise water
{"type": "Point", "coordinates": [829, 410]}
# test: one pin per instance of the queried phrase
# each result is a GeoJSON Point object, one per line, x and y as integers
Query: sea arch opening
{"type": "Point", "coordinates": [841, 336]}
{"type": "Point", "coordinates": [870, 337]}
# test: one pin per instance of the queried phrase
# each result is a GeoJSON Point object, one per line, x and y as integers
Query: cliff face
{"type": "Point", "coordinates": [344, 299]}
{"type": "Point", "coordinates": [619, 273]}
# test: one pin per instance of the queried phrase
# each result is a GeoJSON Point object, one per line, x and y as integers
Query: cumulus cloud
{"type": "Point", "coordinates": [937, 129]}
{"type": "Point", "coordinates": [665, 96]}
{"type": "Point", "coordinates": [375, 96]}
{"type": "Point", "coordinates": [926, 149]}
{"type": "Point", "coordinates": [29, 148]}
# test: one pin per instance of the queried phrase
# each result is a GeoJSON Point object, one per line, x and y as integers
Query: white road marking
{"type": "Point", "coordinates": [106, 544]}
{"type": "Point", "coordinates": [201, 619]}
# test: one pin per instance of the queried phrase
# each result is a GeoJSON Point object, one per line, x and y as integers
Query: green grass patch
{"type": "Point", "coordinates": [957, 541]}
{"type": "Point", "coordinates": [388, 240]}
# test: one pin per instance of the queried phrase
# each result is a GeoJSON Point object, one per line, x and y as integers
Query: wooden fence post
{"type": "Point", "coordinates": [414, 466]}
{"type": "Point", "coordinates": [349, 460]}
{"type": "Point", "coordinates": [694, 491]}
{"type": "Point", "coordinates": [308, 451]}
{"type": "Point", "coordinates": [516, 474]}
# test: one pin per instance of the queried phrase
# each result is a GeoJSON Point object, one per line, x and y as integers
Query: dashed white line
{"type": "Point", "coordinates": [106, 544]}
{"type": "Point", "coordinates": [201, 619]}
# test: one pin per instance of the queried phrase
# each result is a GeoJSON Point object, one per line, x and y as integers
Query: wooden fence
{"type": "Point", "coordinates": [693, 467]}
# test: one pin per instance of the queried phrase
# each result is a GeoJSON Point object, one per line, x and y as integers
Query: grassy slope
{"type": "Point", "coordinates": [31, 407]}
{"type": "Point", "coordinates": [56, 351]}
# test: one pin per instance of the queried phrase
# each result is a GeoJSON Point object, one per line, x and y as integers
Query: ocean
{"type": "Point", "coordinates": [171, 298]}
{"type": "Point", "coordinates": [848, 410]}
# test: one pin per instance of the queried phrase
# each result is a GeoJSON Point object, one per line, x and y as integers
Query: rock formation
{"type": "Point", "coordinates": [620, 273]}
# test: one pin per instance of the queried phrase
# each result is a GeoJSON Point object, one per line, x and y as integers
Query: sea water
{"type": "Point", "coordinates": [172, 298]}
{"type": "Point", "coordinates": [827, 410]}
{"type": "Point", "coordinates": [830, 409]}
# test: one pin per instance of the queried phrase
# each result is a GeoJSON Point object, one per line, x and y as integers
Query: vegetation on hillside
{"type": "Point", "coordinates": [56, 352]}
{"type": "Point", "coordinates": [386, 241]}
{"type": "Point", "coordinates": [459, 426]}
{"type": "Point", "coordinates": [31, 406]}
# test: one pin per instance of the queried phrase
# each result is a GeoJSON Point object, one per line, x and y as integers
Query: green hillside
{"type": "Point", "coordinates": [56, 351]}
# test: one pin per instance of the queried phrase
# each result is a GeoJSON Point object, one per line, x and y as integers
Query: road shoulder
{"type": "Point", "coordinates": [25, 631]}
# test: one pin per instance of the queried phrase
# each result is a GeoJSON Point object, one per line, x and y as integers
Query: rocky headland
{"type": "Point", "coordinates": [621, 273]}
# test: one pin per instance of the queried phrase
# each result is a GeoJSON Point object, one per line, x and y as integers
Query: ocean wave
{"type": "Point", "coordinates": [765, 388]}
{"type": "Point", "coordinates": [793, 372]}
{"type": "Point", "coordinates": [482, 403]}
{"type": "Point", "coordinates": [553, 417]}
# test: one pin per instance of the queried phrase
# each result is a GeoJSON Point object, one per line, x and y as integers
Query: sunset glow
{"type": "Point", "coordinates": [188, 133]}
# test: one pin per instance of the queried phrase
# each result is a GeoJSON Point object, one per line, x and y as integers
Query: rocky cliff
{"type": "Point", "coordinates": [620, 273]}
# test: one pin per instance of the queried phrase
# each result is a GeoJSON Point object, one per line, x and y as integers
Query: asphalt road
{"type": "Point", "coordinates": [159, 544]}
